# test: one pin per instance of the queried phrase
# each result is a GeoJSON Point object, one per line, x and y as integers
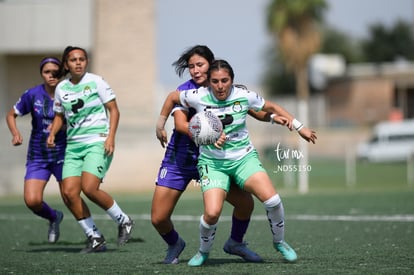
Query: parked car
{"type": "Point", "coordinates": [390, 142]}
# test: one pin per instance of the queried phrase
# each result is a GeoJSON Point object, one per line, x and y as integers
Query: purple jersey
{"type": "Point", "coordinates": [38, 103]}
{"type": "Point", "coordinates": [179, 165]}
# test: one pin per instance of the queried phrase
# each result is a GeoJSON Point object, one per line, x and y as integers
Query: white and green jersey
{"type": "Point", "coordinates": [83, 106]}
{"type": "Point", "coordinates": [232, 112]}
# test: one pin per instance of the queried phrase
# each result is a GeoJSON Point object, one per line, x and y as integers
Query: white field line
{"type": "Point", "coordinates": [345, 218]}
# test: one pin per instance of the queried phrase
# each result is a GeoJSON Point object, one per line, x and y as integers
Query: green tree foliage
{"type": "Point", "coordinates": [338, 42]}
{"type": "Point", "coordinates": [294, 25]}
{"type": "Point", "coordinates": [389, 44]}
{"type": "Point", "coordinates": [384, 44]}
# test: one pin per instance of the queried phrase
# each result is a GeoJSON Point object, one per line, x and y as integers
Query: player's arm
{"type": "Point", "coordinates": [306, 133]}
{"type": "Point", "coordinates": [114, 115]}
{"type": "Point", "coordinates": [57, 123]}
{"type": "Point", "coordinates": [181, 122]}
{"type": "Point", "coordinates": [172, 99]}
{"type": "Point", "coordinates": [11, 123]}
{"type": "Point", "coordinates": [260, 115]}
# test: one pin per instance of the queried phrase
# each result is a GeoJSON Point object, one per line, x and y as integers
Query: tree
{"type": "Point", "coordinates": [389, 44]}
{"type": "Point", "coordinates": [338, 42]}
{"type": "Point", "coordinates": [294, 24]}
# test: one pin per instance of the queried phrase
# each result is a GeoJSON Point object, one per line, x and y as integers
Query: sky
{"type": "Point", "coordinates": [235, 30]}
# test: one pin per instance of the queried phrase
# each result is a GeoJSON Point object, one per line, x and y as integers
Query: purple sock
{"type": "Point", "coordinates": [46, 212]}
{"type": "Point", "coordinates": [171, 237]}
{"type": "Point", "coordinates": [238, 229]}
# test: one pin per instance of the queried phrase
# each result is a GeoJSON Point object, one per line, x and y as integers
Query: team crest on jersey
{"type": "Point", "coordinates": [87, 90]}
{"type": "Point", "coordinates": [237, 107]}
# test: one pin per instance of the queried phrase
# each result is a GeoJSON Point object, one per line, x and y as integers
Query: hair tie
{"type": "Point", "coordinates": [47, 60]}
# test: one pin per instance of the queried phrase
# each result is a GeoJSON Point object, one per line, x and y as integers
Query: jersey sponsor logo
{"type": "Point", "coordinates": [226, 119]}
{"type": "Point", "coordinates": [77, 104]}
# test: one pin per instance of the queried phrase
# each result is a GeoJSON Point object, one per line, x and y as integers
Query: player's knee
{"type": "Point", "coordinates": [157, 220]}
{"type": "Point", "coordinates": [272, 202]}
{"type": "Point", "coordinates": [211, 217]}
{"type": "Point", "coordinates": [33, 203]}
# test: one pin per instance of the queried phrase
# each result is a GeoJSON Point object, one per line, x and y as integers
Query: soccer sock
{"type": "Point", "coordinates": [89, 227]}
{"type": "Point", "coordinates": [275, 214]}
{"type": "Point", "coordinates": [238, 229]}
{"type": "Point", "coordinates": [171, 237]}
{"type": "Point", "coordinates": [46, 212]}
{"type": "Point", "coordinates": [117, 214]}
{"type": "Point", "coordinates": [207, 235]}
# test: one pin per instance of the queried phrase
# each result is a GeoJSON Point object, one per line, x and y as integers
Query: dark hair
{"type": "Point", "coordinates": [182, 63]}
{"type": "Point", "coordinates": [62, 71]}
{"type": "Point", "coordinates": [220, 64]}
{"type": "Point", "coordinates": [46, 60]}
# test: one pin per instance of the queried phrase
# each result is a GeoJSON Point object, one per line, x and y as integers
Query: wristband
{"type": "Point", "coordinates": [297, 124]}
{"type": "Point", "coordinates": [271, 118]}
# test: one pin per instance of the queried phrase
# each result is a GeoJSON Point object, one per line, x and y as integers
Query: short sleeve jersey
{"type": "Point", "coordinates": [83, 106]}
{"type": "Point", "coordinates": [181, 150]}
{"type": "Point", "coordinates": [232, 112]}
{"type": "Point", "coordinates": [39, 104]}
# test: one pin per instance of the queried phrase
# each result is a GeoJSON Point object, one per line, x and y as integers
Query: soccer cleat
{"type": "Point", "coordinates": [94, 244]}
{"type": "Point", "coordinates": [174, 251]}
{"type": "Point", "coordinates": [54, 230]}
{"type": "Point", "coordinates": [124, 232]}
{"type": "Point", "coordinates": [198, 259]}
{"type": "Point", "coordinates": [287, 252]}
{"type": "Point", "coordinates": [240, 249]}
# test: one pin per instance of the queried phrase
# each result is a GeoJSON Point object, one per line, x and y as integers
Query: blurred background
{"type": "Point", "coordinates": [342, 67]}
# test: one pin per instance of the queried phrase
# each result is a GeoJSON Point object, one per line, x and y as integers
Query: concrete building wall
{"type": "Point", "coordinates": [359, 102]}
{"type": "Point", "coordinates": [120, 39]}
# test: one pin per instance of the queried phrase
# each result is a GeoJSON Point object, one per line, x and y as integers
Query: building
{"type": "Point", "coordinates": [120, 39]}
{"type": "Point", "coordinates": [370, 93]}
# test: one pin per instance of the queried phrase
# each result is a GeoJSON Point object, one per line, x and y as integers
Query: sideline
{"type": "Point", "coordinates": [344, 218]}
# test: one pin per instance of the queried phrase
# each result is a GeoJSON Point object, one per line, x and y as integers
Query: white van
{"type": "Point", "coordinates": [391, 141]}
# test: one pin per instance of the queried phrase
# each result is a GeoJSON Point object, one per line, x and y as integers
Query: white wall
{"type": "Point", "coordinates": [32, 26]}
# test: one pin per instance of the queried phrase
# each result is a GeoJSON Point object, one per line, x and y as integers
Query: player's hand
{"type": "Point", "coordinates": [281, 120]}
{"type": "Point", "coordinates": [161, 136]}
{"type": "Point", "coordinates": [220, 141]}
{"type": "Point", "coordinates": [17, 140]}
{"type": "Point", "coordinates": [50, 142]}
{"type": "Point", "coordinates": [109, 146]}
{"type": "Point", "coordinates": [308, 134]}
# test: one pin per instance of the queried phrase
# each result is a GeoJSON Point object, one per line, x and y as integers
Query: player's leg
{"type": "Point", "coordinates": [261, 186]}
{"type": "Point", "coordinates": [71, 188]}
{"type": "Point", "coordinates": [163, 203]}
{"type": "Point", "coordinates": [96, 164]}
{"type": "Point", "coordinates": [213, 204]}
{"type": "Point", "coordinates": [252, 177]}
{"type": "Point", "coordinates": [243, 207]}
{"type": "Point", "coordinates": [37, 175]}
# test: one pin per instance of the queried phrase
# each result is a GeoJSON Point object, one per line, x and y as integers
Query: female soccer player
{"type": "Point", "coordinates": [233, 156]}
{"type": "Point", "coordinates": [41, 162]}
{"type": "Point", "coordinates": [84, 99]}
{"type": "Point", "coordinates": [178, 168]}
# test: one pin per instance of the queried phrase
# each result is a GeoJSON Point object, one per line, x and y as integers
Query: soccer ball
{"type": "Point", "coordinates": [205, 128]}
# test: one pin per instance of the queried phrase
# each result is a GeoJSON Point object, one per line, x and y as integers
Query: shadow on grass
{"type": "Point", "coordinates": [64, 246]}
{"type": "Point", "coordinates": [210, 261]}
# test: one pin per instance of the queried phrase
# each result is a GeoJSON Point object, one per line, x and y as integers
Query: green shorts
{"type": "Point", "coordinates": [220, 173]}
{"type": "Point", "coordinates": [89, 158]}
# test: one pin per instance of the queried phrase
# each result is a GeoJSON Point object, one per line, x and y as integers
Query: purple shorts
{"type": "Point", "coordinates": [43, 170]}
{"type": "Point", "coordinates": [174, 178]}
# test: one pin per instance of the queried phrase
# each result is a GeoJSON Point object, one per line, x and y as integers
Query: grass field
{"type": "Point", "coordinates": [365, 228]}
